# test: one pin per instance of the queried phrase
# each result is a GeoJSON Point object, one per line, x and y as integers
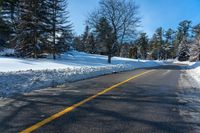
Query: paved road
{"type": "Point", "coordinates": [146, 104]}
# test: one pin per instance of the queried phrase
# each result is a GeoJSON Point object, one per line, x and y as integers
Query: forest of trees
{"type": "Point", "coordinates": [182, 43]}
{"type": "Point", "coordinates": [35, 28]}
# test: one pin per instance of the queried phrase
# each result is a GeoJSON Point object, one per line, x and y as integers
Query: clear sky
{"type": "Point", "coordinates": [154, 13]}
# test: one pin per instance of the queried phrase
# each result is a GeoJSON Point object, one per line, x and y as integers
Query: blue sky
{"type": "Point", "coordinates": [154, 13]}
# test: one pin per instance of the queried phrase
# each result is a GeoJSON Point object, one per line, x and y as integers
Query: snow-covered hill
{"type": "Point", "coordinates": [23, 75]}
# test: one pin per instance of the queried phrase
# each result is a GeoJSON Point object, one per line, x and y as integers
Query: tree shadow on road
{"type": "Point", "coordinates": [141, 109]}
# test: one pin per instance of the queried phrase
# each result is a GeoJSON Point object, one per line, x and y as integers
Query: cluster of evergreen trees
{"type": "Point", "coordinates": [35, 27]}
{"type": "Point", "coordinates": [170, 44]}
{"type": "Point", "coordinates": [183, 43]}
{"type": "Point", "coordinates": [100, 41]}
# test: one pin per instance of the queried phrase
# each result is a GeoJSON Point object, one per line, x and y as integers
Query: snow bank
{"type": "Point", "coordinates": [194, 72]}
{"type": "Point", "coordinates": [189, 94]}
{"type": "Point", "coordinates": [184, 62]}
{"type": "Point", "coordinates": [25, 75]}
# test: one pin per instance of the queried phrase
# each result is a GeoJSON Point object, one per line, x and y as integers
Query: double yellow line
{"type": "Point", "coordinates": [68, 109]}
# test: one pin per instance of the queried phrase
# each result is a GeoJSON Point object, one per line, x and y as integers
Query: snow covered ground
{"type": "Point", "coordinates": [194, 71]}
{"type": "Point", "coordinates": [189, 99]}
{"type": "Point", "coordinates": [189, 94]}
{"type": "Point", "coordinates": [23, 75]}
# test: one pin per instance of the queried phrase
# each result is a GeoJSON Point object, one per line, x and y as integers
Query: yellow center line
{"type": "Point", "coordinates": [68, 109]}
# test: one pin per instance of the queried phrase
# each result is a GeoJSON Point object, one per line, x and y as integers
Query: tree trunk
{"type": "Point", "coordinates": [54, 56]}
{"type": "Point", "coordinates": [54, 30]}
{"type": "Point", "coordinates": [109, 58]}
{"type": "Point", "coordinates": [199, 57]}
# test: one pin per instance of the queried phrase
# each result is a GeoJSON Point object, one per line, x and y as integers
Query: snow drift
{"type": "Point", "coordinates": [24, 75]}
{"type": "Point", "coordinates": [194, 72]}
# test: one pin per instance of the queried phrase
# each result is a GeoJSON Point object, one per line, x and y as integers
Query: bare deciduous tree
{"type": "Point", "coordinates": [122, 15]}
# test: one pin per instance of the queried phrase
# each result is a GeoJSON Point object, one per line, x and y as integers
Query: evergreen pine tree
{"type": "Point", "coordinates": [153, 48]}
{"type": "Point", "coordinates": [184, 52]}
{"type": "Point", "coordinates": [77, 43]}
{"type": "Point", "coordinates": [9, 14]}
{"type": "Point", "coordinates": [168, 45]}
{"type": "Point", "coordinates": [142, 43]}
{"type": "Point", "coordinates": [85, 39]}
{"type": "Point", "coordinates": [133, 52]}
{"type": "Point", "coordinates": [4, 33]}
{"type": "Point", "coordinates": [9, 9]}
{"type": "Point", "coordinates": [125, 50]}
{"type": "Point", "coordinates": [90, 47]}
{"type": "Point", "coordinates": [183, 29]}
{"type": "Point", "coordinates": [59, 27]}
{"type": "Point", "coordinates": [30, 29]}
{"type": "Point", "coordinates": [106, 36]}
{"type": "Point", "coordinates": [195, 46]}
{"type": "Point", "coordinates": [156, 44]}
{"type": "Point", "coordinates": [65, 42]}
{"type": "Point", "coordinates": [182, 40]}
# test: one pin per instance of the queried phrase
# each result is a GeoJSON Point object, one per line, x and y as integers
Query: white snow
{"type": "Point", "coordinates": [194, 72]}
{"type": "Point", "coordinates": [23, 75]}
{"type": "Point", "coordinates": [189, 84]}
{"type": "Point", "coordinates": [7, 52]}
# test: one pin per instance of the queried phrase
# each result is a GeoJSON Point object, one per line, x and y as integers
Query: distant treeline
{"type": "Point", "coordinates": [182, 43]}
{"type": "Point", "coordinates": [37, 27]}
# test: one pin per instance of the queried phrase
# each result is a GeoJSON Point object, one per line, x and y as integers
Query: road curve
{"type": "Point", "coordinates": [146, 104]}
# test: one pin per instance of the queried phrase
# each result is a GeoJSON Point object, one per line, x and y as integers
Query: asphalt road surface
{"type": "Point", "coordinates": [146, 104]}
